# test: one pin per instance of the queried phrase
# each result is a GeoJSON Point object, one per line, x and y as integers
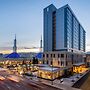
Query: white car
{"type": "Point", "coordinates": [61, 80]}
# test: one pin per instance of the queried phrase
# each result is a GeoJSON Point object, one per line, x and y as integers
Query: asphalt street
{"type": "Point", "coordinates": [13, 82]}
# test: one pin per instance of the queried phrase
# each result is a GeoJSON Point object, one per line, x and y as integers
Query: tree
{"type": "Point", "coordinates": [35, 60]}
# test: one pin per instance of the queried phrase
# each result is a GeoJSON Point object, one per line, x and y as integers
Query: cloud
{"type": "Point", "coordinates": [20, 49]}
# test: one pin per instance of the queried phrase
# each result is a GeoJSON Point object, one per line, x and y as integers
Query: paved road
{"type": "Point", "coordinates": [14, 82]}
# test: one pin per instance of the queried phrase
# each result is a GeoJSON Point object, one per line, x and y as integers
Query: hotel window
{"type": "Point", "coordinates": [66, 55]}
{"type": "Point", "coordinates": [58, 55]}
{"type": "Point", "coordinates": [51, 62]}
{"type": "Point", "coordinates": [47, 61]}
{"type": "Point", "coordinates": [51, 55]}
{"type": "Point", "coordinates": [77, 55]}
{"type": "Point", "coordinates": [43, 61]}
{"type": "Point", "coordinates": [66, 63]}
{"type": "Point", "coordinates": [62, 55]}
{"type": "Point", "coordinates": [43, 55]}
{"type": "Point", "coordinates": [47, 55]}
{"type": "Point", "coordinates": [58, 62]}
{"type": "Point", "coordinates": [61, 63]}
{"type": "Point", "coordinates": [54, 55]}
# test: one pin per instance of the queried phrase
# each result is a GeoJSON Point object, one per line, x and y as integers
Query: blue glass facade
{"type": "Point", "coordinates": [68, 28]}
{"type": "Point", "coordinates": [62, 30]}
{"type": "Point", "coordinates": [49, 26]}
{"type": "Point", "coordinates": [74, 33]}
{"type": "Point", "coordinates": [82, 39]}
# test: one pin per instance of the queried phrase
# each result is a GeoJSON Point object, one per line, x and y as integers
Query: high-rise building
{"type": "Point", "coordinates": [15, 45]}
{"type": "Point", "coordinates": [64, 39]}
{"type": "Point", "coordinates": [62, 30]}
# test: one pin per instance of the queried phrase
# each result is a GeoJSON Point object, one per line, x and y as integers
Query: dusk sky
{"type": "Point", "coordinates": [25, 19]}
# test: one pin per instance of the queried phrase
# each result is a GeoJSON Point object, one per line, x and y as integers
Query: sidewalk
{"type": "Point", "coordinates": [59, 85]}
{"type": "Point", "coordinates": [56, 83]}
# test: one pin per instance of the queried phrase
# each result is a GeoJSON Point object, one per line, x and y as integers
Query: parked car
{"type": "Point", "coordinates": [61, 80]}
